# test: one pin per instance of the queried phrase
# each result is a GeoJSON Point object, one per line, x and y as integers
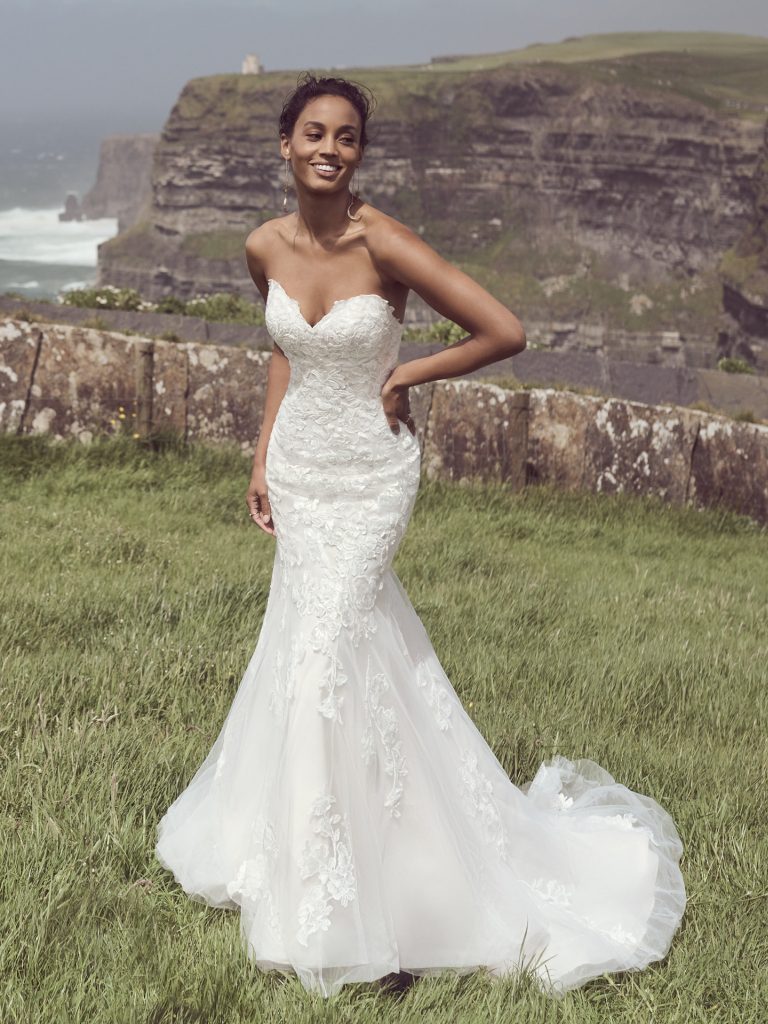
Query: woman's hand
{"type": "Point", "coordinates": [257, 500]}
{"type": "Point", "coordinates": [396, 403]}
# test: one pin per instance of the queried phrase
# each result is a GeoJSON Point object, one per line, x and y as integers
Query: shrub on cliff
{"type": "Point", "coordinates": [222, 307]}
{"type": "Point", "coordinates": [732, 364]}
{"type": "Point", "coordinates": [106, 297]}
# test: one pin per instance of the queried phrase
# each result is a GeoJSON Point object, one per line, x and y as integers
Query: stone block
{"type": "Point", "coordinates": [608, 445]}
{"type": "Point", "coordinates": [82, 378]}
{"type": "Point", "coordinates": [640, 449]}
{"type": "Point", "coordinates": [227, 388]}
{"type": "Point", "coordinates": [170, 381]}
{"type": "Point", "coordinates": [557, 429]}
{"type": "Point", "coordinates": [729, 466]}
{"type": "Point", "coordinates": [476, 432]}
{"type": "Point", "coordinates": [18, 347]}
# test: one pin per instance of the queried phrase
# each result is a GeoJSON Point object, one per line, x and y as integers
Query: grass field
{"type": "Point", "coordinates": [133, 588]}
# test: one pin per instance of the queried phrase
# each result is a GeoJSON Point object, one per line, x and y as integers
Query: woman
{"type": "Point", "coordinates": [349, 806]}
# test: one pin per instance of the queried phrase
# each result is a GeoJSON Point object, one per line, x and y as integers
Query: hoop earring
{"type": "Point", "coordinates": [285, 186]}
{"type": "Point", "coordinates": [355, 196]}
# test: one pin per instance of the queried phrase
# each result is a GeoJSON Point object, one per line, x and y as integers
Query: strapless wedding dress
{"type": "Point", "coordinates": [349, 807]}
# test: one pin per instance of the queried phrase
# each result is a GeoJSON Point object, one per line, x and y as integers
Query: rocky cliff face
{"type": "Point", "coordinates": [744, 270]}
{"type": "Point", "coordinates": [123, 186]}
{"type": "Point", "coordinates": [566, 195]}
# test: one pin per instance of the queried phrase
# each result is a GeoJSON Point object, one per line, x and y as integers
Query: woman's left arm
{"type": "Point", "coordinates": [494, 332]}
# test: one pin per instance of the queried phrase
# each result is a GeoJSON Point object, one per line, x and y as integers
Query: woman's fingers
{"type": "Point", "coordinates": [397, 407]}
{"type": "Point", "coordinates": [260, 510]}
{"type": "Point", "coordinates": [264, 507]}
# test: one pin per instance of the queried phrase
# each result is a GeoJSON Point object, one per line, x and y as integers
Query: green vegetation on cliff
{"type": "Point", "coordinates": [745, 266]}
{"type": "Point", "coordinates": [724, 70]}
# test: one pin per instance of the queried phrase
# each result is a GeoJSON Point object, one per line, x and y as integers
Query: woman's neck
{"type": "Point", "coordinates": [323, 219]}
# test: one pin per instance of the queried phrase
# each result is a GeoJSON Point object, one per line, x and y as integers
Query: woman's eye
{"type": "Point", "coordinates": [317, 135]}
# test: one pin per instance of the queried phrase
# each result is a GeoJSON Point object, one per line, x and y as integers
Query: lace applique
{"type": "Point", "coordinates": [552, 891]}
{"type": "Point", "coordinates": [252, 882]}
{"type": "Point", "coordinates": [340, 593]}
{"type": "Point", "coordinates": [616, 932]}
{"type": "Point", "coordinates": [436, 695]}
{"type": "Point", "coordinates": [328, 860]}
{"type": "Point", "coordinates": [330, 703]}
{"type": "Point", "coordinates": [626, 822]}
{"type": "Point", "coordinates": [560, 894]}
{"type": "Point", "coordinates": [384, 720]}
{"type": "Point", "coordinates": [284, 684]}
{"type": "Point", "coordinates": [477, 795]}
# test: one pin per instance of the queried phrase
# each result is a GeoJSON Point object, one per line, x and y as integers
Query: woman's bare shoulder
{"type": "Point", "coordinates": [265, 233]}
{"type": "Point", "coordinates": [383, 229]}
{"type": "Point", "coordinates": [260, 245]}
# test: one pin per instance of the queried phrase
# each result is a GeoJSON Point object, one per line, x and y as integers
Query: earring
{"type": "Point", "coordinates": [356, 196]}
{"type": "Point", "coordinates": [285, 187]}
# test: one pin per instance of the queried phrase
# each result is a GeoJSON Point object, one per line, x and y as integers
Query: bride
{"type": "Point", "coordinates": [349, 807]}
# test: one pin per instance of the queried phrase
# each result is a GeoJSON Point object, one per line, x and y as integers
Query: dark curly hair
{"type": "Point", "coordinates": [308, 87]}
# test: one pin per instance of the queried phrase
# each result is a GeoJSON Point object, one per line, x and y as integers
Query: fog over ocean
{"type": "Point", "coordinates": [40, 255]}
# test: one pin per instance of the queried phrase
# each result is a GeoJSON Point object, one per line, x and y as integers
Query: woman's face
{"type": "Point", "coordinates": [324, 148]}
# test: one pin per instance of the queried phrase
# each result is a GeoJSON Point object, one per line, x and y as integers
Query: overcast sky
{"type": "Point", "coordinates": [129, 58]}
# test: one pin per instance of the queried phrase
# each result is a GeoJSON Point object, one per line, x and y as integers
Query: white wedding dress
{"type": "Point", "coordinates": [350, 807]}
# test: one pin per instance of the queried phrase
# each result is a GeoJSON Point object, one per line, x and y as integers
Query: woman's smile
{"type": "Point", "coordinates": [327, 170]}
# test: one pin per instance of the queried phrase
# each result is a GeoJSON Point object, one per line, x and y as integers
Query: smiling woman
{"type": "Point", "coordinates": [349, 806]}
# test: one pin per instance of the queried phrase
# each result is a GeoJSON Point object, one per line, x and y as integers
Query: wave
{"type": "Point", "coordinates": [38, 236]}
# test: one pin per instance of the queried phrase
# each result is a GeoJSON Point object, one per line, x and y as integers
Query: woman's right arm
{"type": "Point", "coordinates": [278, 375]}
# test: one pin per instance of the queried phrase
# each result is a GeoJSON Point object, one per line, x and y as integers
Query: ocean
{"type": "Point", "coordinates": [41, 255]}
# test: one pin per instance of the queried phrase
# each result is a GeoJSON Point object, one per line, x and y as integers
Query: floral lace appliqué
{"type": "Point", "coordinates": [478, 800]}
{"type": "Point", "coordinates": [436, 695]}
{"type": "Point", "coordinates": [327, 859]}
{"type": "Point", "coordinates": [284, 684]}
{"type": "Point", "coordinates": [617, 932]}
{"type": "Point", "coordinates": [253, 880]}
{"type": "Point", "coordinates": [383, 720]}
{"type": "Point", "coordinates": [552, 891]}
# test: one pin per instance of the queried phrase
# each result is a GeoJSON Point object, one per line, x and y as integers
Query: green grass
{"type": "Point", "coordinates": [612, 628]}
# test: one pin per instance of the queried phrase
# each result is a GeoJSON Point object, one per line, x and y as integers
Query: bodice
{"type": "Point", "coordinates": [350, 349]}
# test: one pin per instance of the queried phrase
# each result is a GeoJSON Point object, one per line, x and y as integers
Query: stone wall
{"type": "Point", "coordinates": [653, 383]}
{"type": "Point", "coordinates": [71, 381]}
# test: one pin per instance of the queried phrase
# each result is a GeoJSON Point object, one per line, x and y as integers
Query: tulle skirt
{"type": "Point", "coordinates": [354, 814]}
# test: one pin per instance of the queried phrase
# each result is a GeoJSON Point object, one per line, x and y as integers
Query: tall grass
{"type": "Point", "coordinates": [133, 588]}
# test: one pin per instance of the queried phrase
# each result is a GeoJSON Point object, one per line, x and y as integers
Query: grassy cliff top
{"type": "Point", "coordinates": [725, 71]}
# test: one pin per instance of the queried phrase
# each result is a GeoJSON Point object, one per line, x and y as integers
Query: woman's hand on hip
{"type": "Point", "coordinates": [397, 404]}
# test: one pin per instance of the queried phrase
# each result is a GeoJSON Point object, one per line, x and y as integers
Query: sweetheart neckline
{"type": "Point", "coordinates": [336, 302]}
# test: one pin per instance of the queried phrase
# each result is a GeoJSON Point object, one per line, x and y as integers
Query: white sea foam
{"type": "Point", "coordinates": [38, 236]}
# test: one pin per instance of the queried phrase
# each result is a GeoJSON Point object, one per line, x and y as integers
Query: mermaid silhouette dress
{"type": "Point", "coordinates": [349, 807]}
